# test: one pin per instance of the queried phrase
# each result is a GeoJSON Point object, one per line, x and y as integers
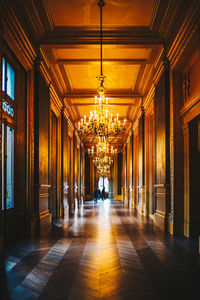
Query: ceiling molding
{"type": "Point", "coordinates": [97, 61]}
{"type": "Point", "coordinates": [141, 36]}
{"type": "Point", "coordinates": [109, 104]}
{"type": "Point", "coordinates": [139, 77]}
{"type": "Point", "coordinates": [184, 35]}
{"type": "Point", "coordinates": [128, 121]}
{"type": "Point", "coordinates": [16, 37]}
{"type": "Point", "coordinates": [128, 111]}
{"type": "Point", "coordinates": [113, 94]}
{"type": "Point", "coordinates": [66, 78]}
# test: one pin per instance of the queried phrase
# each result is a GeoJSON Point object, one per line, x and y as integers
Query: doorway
{"type": "Point", "coordinates": [104, 182]}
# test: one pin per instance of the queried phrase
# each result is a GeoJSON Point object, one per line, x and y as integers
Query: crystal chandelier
{"type": "Point", "coordinates": [100, 122]}
{"type": "Point", "coordinates": [103, 161]}
{"type": "Point", "coordinates": [103, 149]}
{"type": "Point", "coordinates": [103, 157]}
{"type": "Point", "coordinates": [102, 171]}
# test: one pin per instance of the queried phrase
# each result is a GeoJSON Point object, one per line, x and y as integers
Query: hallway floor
{"type": "Point", "coordinates": [103, 251]}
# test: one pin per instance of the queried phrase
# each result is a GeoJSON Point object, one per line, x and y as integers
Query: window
{"type": "Point", "coordinates": [8, 132]}
{"type": "Point", "coordinates": [10, 82]}
{"type": "Point", "coordinates": [8, 79]}
{"type": "Point", "coordinates": [3, 74]}
{"type": "Point", "coordinates": [3, 173]}
{"type": "Point", "coordinates": [104, 182]}
{"type": "Point", "coordinates": [8, 166]}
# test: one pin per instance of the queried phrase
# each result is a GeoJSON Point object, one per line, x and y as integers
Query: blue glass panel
{"type": "Point", "coordinates": [10, 168]}
{"type": "Point", "coordinates": [10, 81]}
{"type": "Point", "coordinates": [3, 155]}
{"type": "Point", "coordinates": [3, 73]}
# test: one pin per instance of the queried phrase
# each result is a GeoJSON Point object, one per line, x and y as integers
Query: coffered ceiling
{"type": "Point", "coordinates": [131, 46]}
{"type": "Point", "coordinates": [86, 12]}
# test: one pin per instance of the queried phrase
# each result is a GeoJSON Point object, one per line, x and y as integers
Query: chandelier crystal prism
{"type": "Point", "coordinates": [101, 122]}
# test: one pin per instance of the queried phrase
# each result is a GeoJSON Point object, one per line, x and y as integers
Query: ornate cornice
{"type": "Point", "coordinates": [149, 98]}
{"type": "Point", "coordinates": [191, 108]}
{"type": "Point", "coordinates": [70, 128]}
{"type": "Point", "coordinates": [18, 41]}
{"type": "Point", "coordinates": [55, 100]}
{"type": "Point", "coordinates": [185, 33]}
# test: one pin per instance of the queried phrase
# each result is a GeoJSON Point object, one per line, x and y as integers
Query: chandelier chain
{"type": "Point", "coordinates": [101, 5]}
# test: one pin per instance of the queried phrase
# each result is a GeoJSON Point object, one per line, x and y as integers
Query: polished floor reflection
{"type": "Point", "coordinates": [103, 251]}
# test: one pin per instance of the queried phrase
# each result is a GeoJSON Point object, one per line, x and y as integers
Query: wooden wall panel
{"type": "Point", "coordinates": [87, 175]}
{"type": "Point", "coordinates": [160, 134]}
{"type": "Point", "coordinates": [43, 131]}
{"type": "Point", "coordinates": [194, 163]}
{"type": "Point", "coordinates": [42, 217]}
{"type": "Point", "coordinates": [119, 173]}
{"type": "Point", "coordinates": [54, 209]}
{"type": "Point", "coordinates": [141, 174]}
{"type": "Point", "coordinates": [20, 152]}
{"type": "Point", "coordinates": [135, 167]}
{"type": "Point", "coordinates": [70, 168]}
{"type": "Point", "coordinates": [141, 151]}
{"type": "Point", "coordinates": [176, 155]}
{"type": "Point", "coordinates": [162, 165]}
{"type": "Point", "coordinates": [64, 166]}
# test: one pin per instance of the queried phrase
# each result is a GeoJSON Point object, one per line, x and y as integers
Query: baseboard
{"type": "Point", "coordinates": [162, 221]}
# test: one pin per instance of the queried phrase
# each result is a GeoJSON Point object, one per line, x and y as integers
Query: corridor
{"type": "Point", "coordinates": [104, 251]}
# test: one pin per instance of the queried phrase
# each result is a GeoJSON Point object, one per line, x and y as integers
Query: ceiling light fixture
{"type": "Point", "coordinates": [101, 123]}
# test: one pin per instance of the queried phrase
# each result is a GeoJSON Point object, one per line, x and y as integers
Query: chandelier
{"type": "Point", "coordinates": [103, 157]}
{"type": "Point", "coordinates": [103, 149]}
{"type": "Point", "coordinates": [102, 171]}
{"type": "Point", "coordinates": [103, 161]}
{"type": "Point", "coordinates": [100, 122]}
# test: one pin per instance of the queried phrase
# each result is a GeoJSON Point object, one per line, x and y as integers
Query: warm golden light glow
{"type": "Point", "coordinates": [100, 122]}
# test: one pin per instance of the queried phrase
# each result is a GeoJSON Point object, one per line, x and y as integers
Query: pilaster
{"type": "Point", "coordinates": [186, 181]}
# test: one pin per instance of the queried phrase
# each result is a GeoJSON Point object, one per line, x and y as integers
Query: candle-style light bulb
{"type": "Point", "coordinates": [124, 123]}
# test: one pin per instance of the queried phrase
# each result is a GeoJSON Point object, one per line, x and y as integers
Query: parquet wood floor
{"type": "Point", "coordinates": [103, 251]}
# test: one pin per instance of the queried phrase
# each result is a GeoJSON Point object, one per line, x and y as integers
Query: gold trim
{"type": "Point", "coordinates": [44, 212]}
{"type": "Point", "coordinates": [43, 216]}
{"type": "Point", "coordinates": [44, 194]}
{"type": "Point", "coordinates": [44, 185]}
{"type": "Point", "coordinates": [159, 185]}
